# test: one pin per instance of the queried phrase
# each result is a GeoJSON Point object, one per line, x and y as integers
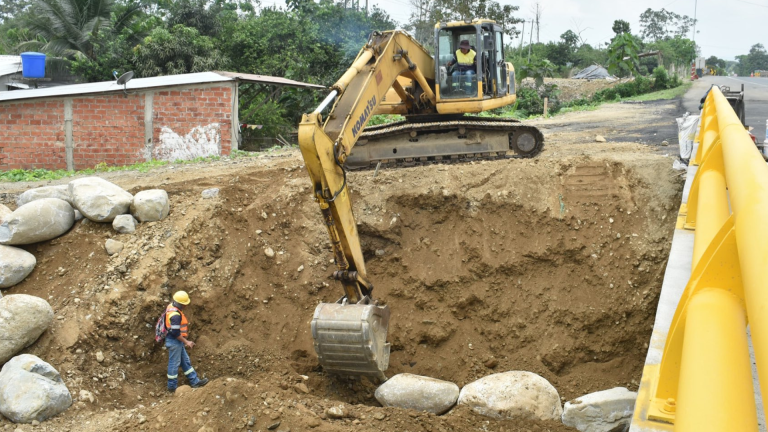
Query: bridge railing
{"type": "Point", "coordinates": [704, 382]}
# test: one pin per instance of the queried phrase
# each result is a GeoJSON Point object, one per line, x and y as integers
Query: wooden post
{"type": "Point", "coordinates": [546, 100]}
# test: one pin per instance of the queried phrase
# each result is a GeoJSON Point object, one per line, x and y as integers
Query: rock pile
{"type": "Point", "coordinates": [47, 212]}
{"type": "Point", "coordinates": [32, 390]}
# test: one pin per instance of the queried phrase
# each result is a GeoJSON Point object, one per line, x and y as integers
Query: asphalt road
{"type": "Point", "coordinates": [755, 95]}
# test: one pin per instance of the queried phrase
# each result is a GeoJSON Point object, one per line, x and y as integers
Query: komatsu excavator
{"type": "Point", "coordinates": [393, 73]}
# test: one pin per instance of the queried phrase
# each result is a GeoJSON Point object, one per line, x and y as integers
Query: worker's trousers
{"type": "Point", "coordinates": [177, 356]}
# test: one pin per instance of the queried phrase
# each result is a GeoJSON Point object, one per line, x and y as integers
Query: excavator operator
{"type": "Point", "coordinates": [466, 60]}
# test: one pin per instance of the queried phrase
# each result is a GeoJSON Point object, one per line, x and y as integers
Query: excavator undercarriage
{"type": "Point", "coordinates": [465, 138]}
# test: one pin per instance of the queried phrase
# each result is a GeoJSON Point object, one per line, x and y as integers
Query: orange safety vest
{"type": "Point", "coordinates": [173, 310]}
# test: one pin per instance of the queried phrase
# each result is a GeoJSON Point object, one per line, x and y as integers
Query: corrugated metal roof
{"type": "Point", "coordinates": [9, 64]}
{"type": "Point", "coordinates": [265, 79]}
{"type": "Point", "coordinates": [146, 83]}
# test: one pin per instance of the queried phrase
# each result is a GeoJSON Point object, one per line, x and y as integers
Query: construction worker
{"type": "Point", "coordinates": [176, 341]}
{"type": "Point", "coordinates": [466, 59]}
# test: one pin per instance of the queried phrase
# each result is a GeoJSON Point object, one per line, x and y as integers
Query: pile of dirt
{"type": "Point", "coordinates": [552, 265]}
{"type": "Point", "coordinates": [572, 89]}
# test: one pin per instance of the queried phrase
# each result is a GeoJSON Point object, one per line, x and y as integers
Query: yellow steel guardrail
{"type": "Point", "coordinates": [704, 382]}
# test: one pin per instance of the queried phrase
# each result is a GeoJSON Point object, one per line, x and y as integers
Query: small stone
{"type": "Point", "coordinates": [380, 252]}
{"type": "Point", "coordinates": [113, 246]}
{"type": "Point", "coordinates": [264, 215]}
{"type": "Point", "coordinates": [603, 411]}
{"type": "Point", "coordinates": [379, 416]}
{"type": "Point", "coordinates": [336, 412]}
{"type": "Point", "coordinates": [618, 235]}
{"type": "Point", "coordinates": [274, 416]}
{"type": "Point", "coordinates": [87, 396]}
{"type": "Point", "coordinates": [313, 422]}
{"type": "Point", "coordinates": [491, 363]}
{"type": "Point", "coordinates": [301, 388]}
{"type": "Point", "coordinates": [610, 220]}
{"type": "Point", "coordinates": [274, 426]}
{"type": "Point", "coordinates": [301, 268]}
{"type": "Point", "coordinates": [210, 193]}
{"type": "Point", "coordinates": [141, 419]}
{"type": "Point", "coordinates": [100, 357]}
{"type": "Point", "coordinates": [665, 143]}
{"type": "Point", "coordinates": [269, 252]}
{"type": "Point", "coordinates": [600, 139]}
{"type": "Point", "coordinates": [124, 224]}
{"type": "Point", "coordinates": [35, 423]}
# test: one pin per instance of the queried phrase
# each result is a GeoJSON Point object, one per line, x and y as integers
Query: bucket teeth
{"type": "Point", "coordinates": [352, 339]}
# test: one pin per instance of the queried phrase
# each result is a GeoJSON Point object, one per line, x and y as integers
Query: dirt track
{"type": "Point", "coordinates": [550, 265]}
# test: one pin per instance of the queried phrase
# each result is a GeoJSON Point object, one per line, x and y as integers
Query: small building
{"type": "Point", "coordinates": [163, 118]}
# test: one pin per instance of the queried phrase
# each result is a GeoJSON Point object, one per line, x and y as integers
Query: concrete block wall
{"type": "Point", "coordinates": [78, 132]}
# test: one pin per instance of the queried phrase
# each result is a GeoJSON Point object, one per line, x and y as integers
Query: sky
{"type": "Point", "coordinates": [724, 30]}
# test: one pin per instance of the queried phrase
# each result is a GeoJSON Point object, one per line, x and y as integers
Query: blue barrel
{"type": "Point", "coordinates": [33, 65]}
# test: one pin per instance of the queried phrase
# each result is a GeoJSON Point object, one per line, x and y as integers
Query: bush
{"type": "Point", "coordinates": [660, 78]}
{"type": "Point", "coordinates": [529, 101]}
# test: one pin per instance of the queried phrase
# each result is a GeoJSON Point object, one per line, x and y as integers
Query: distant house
{"type": "Point", "coordinates": [10, 73]}
{"type": "Point", "coordinates": [162, 118]}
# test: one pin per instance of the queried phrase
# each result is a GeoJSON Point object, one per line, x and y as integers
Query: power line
{"type": "Point", "coordinates": [753, 4]}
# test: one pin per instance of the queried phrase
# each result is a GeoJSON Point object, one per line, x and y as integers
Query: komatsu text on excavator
{"type": "Point", "coordinates": [393, 73]}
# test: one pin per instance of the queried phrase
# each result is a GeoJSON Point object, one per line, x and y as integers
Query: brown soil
{"type": "Point", "coordinates": [571, 89]}
{"type": "Point", "coordinates": [551, 265]}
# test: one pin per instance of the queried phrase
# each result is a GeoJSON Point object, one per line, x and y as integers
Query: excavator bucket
{"type": "Point", "coordinates": [351, 339]}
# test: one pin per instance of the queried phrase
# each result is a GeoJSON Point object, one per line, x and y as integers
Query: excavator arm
{"type": "Point", "coordinates": [350, 335]}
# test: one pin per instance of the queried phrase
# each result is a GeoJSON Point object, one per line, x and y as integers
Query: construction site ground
{"type": "Point", "coordinates": [551, 265]}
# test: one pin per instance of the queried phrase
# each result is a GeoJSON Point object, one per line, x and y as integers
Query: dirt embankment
{"type": "Point", "coordinates": [551, 265]}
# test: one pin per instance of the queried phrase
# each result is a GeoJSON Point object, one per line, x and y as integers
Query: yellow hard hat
{"type": "Point", "coordinates": [181, 297]}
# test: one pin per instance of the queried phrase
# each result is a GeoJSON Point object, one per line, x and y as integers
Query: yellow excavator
{"type": "Point", "coordinates": [393, 73]}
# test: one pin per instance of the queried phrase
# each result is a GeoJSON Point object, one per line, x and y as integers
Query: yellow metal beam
{"type": "Point", "coordinates": [715, 392]}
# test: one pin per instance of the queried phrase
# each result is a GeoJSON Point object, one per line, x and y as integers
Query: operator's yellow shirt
{"type": "Point", "coordinates": [467, 59]}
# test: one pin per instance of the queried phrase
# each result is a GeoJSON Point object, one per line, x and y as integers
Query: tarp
{"type": "Point", "coordinates": [593, 72]}
{"type": "Point", "coordinates": [687, 125]}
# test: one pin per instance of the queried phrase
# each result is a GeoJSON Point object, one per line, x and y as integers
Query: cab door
{"type": "Point", "coordinates": [500, 64]}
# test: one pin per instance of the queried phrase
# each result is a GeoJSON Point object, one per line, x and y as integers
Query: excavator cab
{"type": "Point", "coordinates": [489, 77]}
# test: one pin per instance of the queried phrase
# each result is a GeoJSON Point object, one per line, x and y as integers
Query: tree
{"type": "Point", "coordinates": [620, 26]}
{"type": "Point", "coordinates": [430, 12]}
{"type": "Point", "coordinates": [12, 8]}
{"type": "Point", "coordinates": [68, 29]}
{"type": "Point", "coordinates": [176, 51]}
{"type": "Point", "coordinates": [663, 24]}
{"type": "Point", "coordinates": [623, 50]}
{"type": "Point", "coordinates": [757, 59]}
{"type": "Point", "coordinates": [570, 38]}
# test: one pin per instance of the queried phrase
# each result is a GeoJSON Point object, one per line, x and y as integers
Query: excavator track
{"type": "Point", "coordinates": [422, 140]}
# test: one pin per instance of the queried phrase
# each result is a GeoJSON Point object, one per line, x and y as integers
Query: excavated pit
{"type": "Point", "coordinates": [552, 266]}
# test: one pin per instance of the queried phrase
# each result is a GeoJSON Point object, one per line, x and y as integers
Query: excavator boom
{"type": "Point", "coordinates": [394, 73]}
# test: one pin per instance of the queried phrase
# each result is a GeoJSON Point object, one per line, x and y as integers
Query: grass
{"type": "Point", "coordinates": [21, 175]}
{"type": "Point", "coordinates": [662, 94]}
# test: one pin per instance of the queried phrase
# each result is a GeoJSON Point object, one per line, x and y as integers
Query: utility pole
{"type": "Point", "coordinates": [522, 35]}
{"type": "Point", "coordinates": [530, 42]}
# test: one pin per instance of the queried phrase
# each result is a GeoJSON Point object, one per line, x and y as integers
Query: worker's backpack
{"type": "Point", "coordinates": [161, 331]}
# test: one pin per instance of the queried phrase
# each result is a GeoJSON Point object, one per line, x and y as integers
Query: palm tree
{"type": "Point", "coordinates": [68, 29]}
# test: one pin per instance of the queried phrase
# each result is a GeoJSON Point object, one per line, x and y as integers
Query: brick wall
{"type": "Point", "coordinates": [108, 129]}
{"type": "Point", "coordinates": [32, 135]}
{"type": "Point", "coordinates": [111, 128]}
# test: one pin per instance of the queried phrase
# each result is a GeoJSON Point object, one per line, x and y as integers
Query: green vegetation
{"type": "Point", "coordinates": [663, 94]}
{"type": "Point", "coordinates": [21, 175]}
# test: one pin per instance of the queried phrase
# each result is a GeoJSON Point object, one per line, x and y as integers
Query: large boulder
{"type": "Point", "coordinates": [98, 199]}
{"type": "Point", "coordinates": [61, 192]}
{"type": "Point", "coordinates": [23, 318]}
{"type": "Point", "coordinates": [150, 205]}
{"type": "Point", "coordinates": [513, 395]}
{"type": "Point", "coordinates": [603, 411]}
{"type": "Point", "coordinates": [15, 265]}
{"type": "Point", "coordinates": [40, 220]}
{"type": "Point", "coordinates": [418, 393]}
{"type": "Point", "coordinates": [31, 389]}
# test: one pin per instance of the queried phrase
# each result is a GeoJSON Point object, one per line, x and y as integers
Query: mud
{"type": "Point", "coordinates": [551, 265]}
